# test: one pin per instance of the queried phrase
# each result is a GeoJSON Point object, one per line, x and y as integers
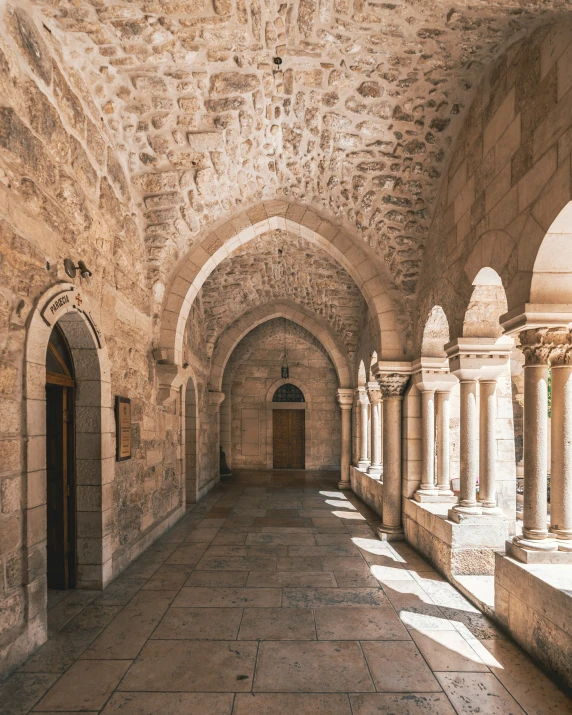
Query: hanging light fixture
{"type": "Point", "coordinates": [285, 368]}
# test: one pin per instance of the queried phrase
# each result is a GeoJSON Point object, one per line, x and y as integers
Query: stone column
{"type": "Point", "coordinates": [345, 399]}
{"type": "Point", "coordinates": [487, 447]}
{"type": "Point", "coordinates": [443, 406]}
{"type": "Point", "coordinates": [534, 523]}
{"type": "Point", "coordinates": [427, 487]}
{"type": "Point", "coordinates": [392, 388]}
{"type": "Point", "coordinates": [375, 402]}
{"type": "Point", "coordinates": [363, 424]}
{"type": "Point", "coordinates": [561, 442]}
{"type": "Point", "coordinates": [468, 449]}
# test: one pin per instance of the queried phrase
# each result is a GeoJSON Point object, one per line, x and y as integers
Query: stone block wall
{"type": "Point", "coordinates": [255, 367]}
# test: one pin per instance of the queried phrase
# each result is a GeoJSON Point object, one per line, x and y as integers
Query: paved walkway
{"type": "Point", "coordinates": [274, 597]}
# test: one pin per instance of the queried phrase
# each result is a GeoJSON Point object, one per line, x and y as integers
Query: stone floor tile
{"type": "Point", "coordinates": [334, 539]}
{"type": "Point", "coordinates": [311, 666]}
{"type": "Point", "coordinates": [299, 563]}
{"type": "Point", "coordinates": [257, 579]}
{"type": "Point", "coordinates": [398, 667]}
{"type": "Point", "coordinates": [187, 555]}
{"type": "Point", "coordinates": [533, 690]}
{"type": "Point", "coordinates": [268, 550]}
{"type": "Point", "coordinates": [168, 578]}
{"type": "Point", "coordinates": [401, 704]}
{"type": "Point", "coordinates": [226, 550]}
{"type": "Point", "coordinates": [22, 690]}
{"type": "Point", "coordinates": [295, 522]}
{"type": "Point", "coordinates": [478, 693]}
{"type": "Point", "coordinates": [345, 563]}
{"type": "Point", "coordinates": [193, 666]}
{"type": "Point", "coordinates": [281, 539]}
{"type": "Point", "coordinates": [309, 551]}
{"type": "Point", "coordinates": [141, 570]}
{"type": "Point", "coordinates": [277, 624]}
{"type": "Point", "coordinates": [350, 623]}
{"type": "Point", "coordinates": [169, 704]}
{"type": "Point", "coordinates": [447, 651]}
{"type": "Point", "coordinates": [355, 579]}
{"type": "Point", "coordinates": [237, 563]}
{"type": "Point", "coordinates": [319, 597]}
{"type": "Point", "coordinates": [85, 686]}
{"type": "Point", "coordinates": [220, 579]}
{"type": "Point", "coordinates": [201, 536]}
{"type": "Point", "coordinates": [229, 538]}
{"type": "Point", "coordinates": [121, 591]}
{"type": "Point", "coordinates": [199, 624]}
{"type": "Point", "coordinates": [473, 624]}
{"type": "Point", "coordinates": [126, 634]}
{"type": "Point", "coordinates": [69, 607]}
{"type": "Point", "coordinates": [290, 703]}
{"type": "Point", "coordinates": [198, 597]}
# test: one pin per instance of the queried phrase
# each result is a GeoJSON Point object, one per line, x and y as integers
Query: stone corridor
{"type": "Point", "coordinates": [274, 595]}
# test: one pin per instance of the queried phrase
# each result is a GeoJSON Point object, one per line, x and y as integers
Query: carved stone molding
{"type": "Point", "coordinates": [392, 385]}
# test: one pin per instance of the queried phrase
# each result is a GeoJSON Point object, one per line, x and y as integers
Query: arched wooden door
{"type": "Point", "coordinates": [60, 463]}
{"type": "Point", "coordinates": [289, 429]}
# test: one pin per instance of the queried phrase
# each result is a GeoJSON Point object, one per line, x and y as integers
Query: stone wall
{"type": "Point", "coordinates": [64, 193]}
{"type": "Point", "coordinates": [255, 367]}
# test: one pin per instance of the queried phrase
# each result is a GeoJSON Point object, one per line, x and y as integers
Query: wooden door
{"type": "Point", "coordinates": [60, 463]}
{"type": "Point", "coordinates": [289, 438]}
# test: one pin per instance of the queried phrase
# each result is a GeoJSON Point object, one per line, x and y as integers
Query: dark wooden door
{"type": "Point", "coordinates": [60, 486]}
{"type": "Point", "coordinates": [289, 430]}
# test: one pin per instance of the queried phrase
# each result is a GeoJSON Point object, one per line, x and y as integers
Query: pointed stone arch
{"type": "Point", "coordinates": [357, 259]}
{"type": "Point", "coordinates": [278, 309]}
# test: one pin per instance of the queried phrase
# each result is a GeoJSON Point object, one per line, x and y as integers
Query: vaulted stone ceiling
{"type": "Point", "coordinates": [359, 119]}
{"type": "Point", "coordinates": [278, 265]}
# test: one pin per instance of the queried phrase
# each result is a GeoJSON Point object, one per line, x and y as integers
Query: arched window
{"type": "Point", "coordinates": [288, 393]}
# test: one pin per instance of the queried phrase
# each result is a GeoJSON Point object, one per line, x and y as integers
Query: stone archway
{"type": "Point", "coordinates": [364, 268]}
{"type": "Point", "coordinates": [67, 306]}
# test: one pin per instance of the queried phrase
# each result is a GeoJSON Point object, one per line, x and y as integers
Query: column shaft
{"type": "Point", "coordinates": [346, 447]}
{"type": "Point", "coordinates": [535, 452]}
{"type": "Point", "coordinates": [468, 447]}
{"type": "Point", "coordinates": [487, 445]}
{"type": "Point", "coordinates": [561, 457]}
{"type": "Point", "coordinates": [391, 512]}
{"type": "Point", "coordinates": [428, 441]}
{"type": "Point", "coordinates": [443, 442]}
{"type": "Point", "coordinates": [363, 432]}
{"type": "Point", "coordinates": [375, 411]}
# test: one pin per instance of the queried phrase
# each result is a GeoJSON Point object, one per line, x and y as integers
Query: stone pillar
{"type": "Point", "coordinates": [363, 406]}
{"type": "Point", "coordinates": [487, 447]}
{"type": "Point", "coordinates": [534, 522]}
{"type": "Point", "coordinates": [345, 399]}
{"type": "Point", "coordinates": [561, 442]}
{"type": "Point", "coordinates": [427, 487]}
{"type": "Point", "coordinates": [443, 414]}
{"type": "Point", "coordinates": [468, 449]}
{"type": "Point", "coordinates": [375, 402]}
{"type": "Point", "coordinates": [392, 388]}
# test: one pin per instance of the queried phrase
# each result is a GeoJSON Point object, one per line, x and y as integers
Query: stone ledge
{"type": "Point", "coordinates": [454, 549]}
{"type": "Point", "coordinates": [368, 489]}
{"type": "Point", "coordinates": [534, 603]}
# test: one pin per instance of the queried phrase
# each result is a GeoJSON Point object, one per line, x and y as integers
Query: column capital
{"type": "Point", "coordinates": [544, 346]}
{"type": "Point", "coordinates": [471, 359]}
{"type": "Point", "coordinates": [432, 375]}
{"type": "Point", "coordinates": [361, 395]}
{"type": "Point", "coordinates": [392, 377]}
{"type": "Point", "coordinates": [374, 392]}
{"type": "Point", "coordinates": [346, 398]}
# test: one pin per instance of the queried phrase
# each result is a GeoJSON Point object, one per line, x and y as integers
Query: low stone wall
{"type": "Point", "coordinates": [368, 489]}
{"type": "Point", "coordinates": [454, 549]}
{"type": "Point", "coordinates": [534, 603]}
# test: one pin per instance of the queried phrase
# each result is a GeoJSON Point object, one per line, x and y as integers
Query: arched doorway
{"type": "Point", "coordinates": [60, 462]}
{"type": "Point", "coordinates": [289, 428]}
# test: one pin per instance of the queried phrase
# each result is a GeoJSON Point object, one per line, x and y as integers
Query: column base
{"type": "Point", "coordinates": [375, 471]}
{"type": "Point", "coordinates": [544, 551]}
{"type": "Point", "coordinates": [459, 513]}
{"type": "Point", "coordinates": [564, 545]}
{"type": "Point", "coordinates": [391, 533]}
{"type": "Point", "coordinates": [363, 464]}
{"type": "Point", "coordinates": [491, 510]}
{"type": "Point", "coordinates": [434, 496]}
{"type": "Point", "coordinates": [345, 485]}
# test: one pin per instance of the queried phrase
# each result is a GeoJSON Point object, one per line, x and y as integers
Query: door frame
{"type": "Point", "coordinates": [270, 406]}
{"type": "Point", "coordinates": [303, 412]}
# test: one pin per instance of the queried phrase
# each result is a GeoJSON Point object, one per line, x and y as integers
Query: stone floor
{"type": "Point", "coordinates": [273, 596]}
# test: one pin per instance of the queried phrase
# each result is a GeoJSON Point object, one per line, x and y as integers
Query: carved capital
{"type": "Point", "coordinates": [345, 398]}
{"type": "Point", "coordinates": [544, 346]}
{"type": "Point", "coordinates": [362, 399]}
{"type": "Point", "coordinates": [373, 392]}
{"type": "Point", "coordinates": [392, 385]}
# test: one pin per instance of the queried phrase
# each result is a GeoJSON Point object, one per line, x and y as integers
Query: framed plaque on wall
{"type": "Point", "coordinates": [123, 428]}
